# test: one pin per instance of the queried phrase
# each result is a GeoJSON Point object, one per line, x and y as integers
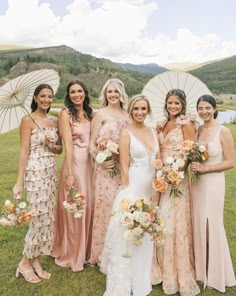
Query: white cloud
{"type": "Point", "coordinates": [115, 29]}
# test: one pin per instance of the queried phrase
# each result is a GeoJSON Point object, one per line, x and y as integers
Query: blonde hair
{"type": "Point", "coordinates": [119, 86]}
{"type": "Point", "coordinates": [135, 99]}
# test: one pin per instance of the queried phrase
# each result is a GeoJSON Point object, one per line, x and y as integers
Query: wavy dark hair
{"type": "Point", "coordinates": [34, 104]}
{"type": "Point", "coordinates": [86, 103]}
{"type": "Point", "coordinates": [209, 99]}
{"type": "Point", "coordinates": [182, 97]}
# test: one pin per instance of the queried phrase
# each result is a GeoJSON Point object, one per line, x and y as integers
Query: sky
{"type": "Point", "coordinates": [127, 31]}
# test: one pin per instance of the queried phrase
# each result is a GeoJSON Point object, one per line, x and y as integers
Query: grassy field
{"type": "Point", "coordinates": [90, 282]}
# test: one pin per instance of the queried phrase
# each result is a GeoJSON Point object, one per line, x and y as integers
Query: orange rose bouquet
{"type": "Point", "coordinates": [195, 152]}
{"type": "Point", "coordinates": [169, 175]}
{"type": "Point", "coordinates": [75, 202]}
{"type": "Point", "coordinates": [14, 213]}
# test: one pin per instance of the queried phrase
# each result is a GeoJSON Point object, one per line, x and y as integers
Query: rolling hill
{"type": "Point", "coordinates": [220, 76]}
{"type": "Point", "coordinates": [70, 64]}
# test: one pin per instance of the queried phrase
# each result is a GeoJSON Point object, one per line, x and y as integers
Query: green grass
{"type": "Point", "coordinates": [64, 281]}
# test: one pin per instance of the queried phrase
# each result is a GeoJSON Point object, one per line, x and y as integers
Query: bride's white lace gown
{"type": "Point", "coordinates": [131, 275]}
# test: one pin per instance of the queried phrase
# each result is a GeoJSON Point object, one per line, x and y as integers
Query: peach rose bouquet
{"type": "Point", "coordinates": [14, 213]}
{"type": "Point", "coordinates": [169, 175]}
{"type": "Point", "coordinates": [105, 151]}
{"type": "Point", "coordinates": [138, 218]}
{"type": "Point", "coordinates": [75, 202]}
{"type": "Point", "coordinates": [195, 152]}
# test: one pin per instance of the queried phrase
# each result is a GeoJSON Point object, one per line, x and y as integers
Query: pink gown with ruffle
{"type": "Point", "coordinates": [40, 184]}
{"type": "Point", "coordinates": [72, 241]}
{"type": "Point", "coordinates": [176, 257]}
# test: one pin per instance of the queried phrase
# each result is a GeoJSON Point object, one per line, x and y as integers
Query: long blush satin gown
{"type": "Point", "coordinates": [72, 243]}
{"type": "Point", "coordinates": [209, 233]}
{"type": "Point", "coordinates": [176, 257]}
{"type": "Point", "coordinates": [131, 276]}
{"type": "Point", "coordinates": [105, 188]}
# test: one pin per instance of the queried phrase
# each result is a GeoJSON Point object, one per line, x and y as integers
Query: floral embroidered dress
{"type": "Point", "coordinates": [72, 241]}
{"type": "Point", "coordinates": [40, 184]}
{"type": "Point", "coordinates": [105, 188]}
{"type": "Point", "coordinates": [176, 257]}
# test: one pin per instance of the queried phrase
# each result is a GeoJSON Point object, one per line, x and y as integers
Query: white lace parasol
{"type": "Point", "coordinates": [16, 96]}
{"type": "Point", "coordinates": [157, 88]}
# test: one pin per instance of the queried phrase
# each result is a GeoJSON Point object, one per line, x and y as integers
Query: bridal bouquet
{"type": "Point", "coordinates": [14, 213]}
{"type": "Point", "coordinates": [195, 152]}
{"type": "Point", "coordinates": [106, 149]}
{"type": "Point", "coordinates": [169, 175]}
{"type": "Point", "coordinates": [139, 218]}
{"type": "Point", "coordinates": [75, 202]}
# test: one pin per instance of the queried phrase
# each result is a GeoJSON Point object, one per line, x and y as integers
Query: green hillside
{"type": "Point", "coordinates": [70, 64]}
{"type": "Point", "coordinates": [220, 77]}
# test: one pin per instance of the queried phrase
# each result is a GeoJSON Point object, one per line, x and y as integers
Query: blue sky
{"type": "Point", "coordinates": [137, 31]}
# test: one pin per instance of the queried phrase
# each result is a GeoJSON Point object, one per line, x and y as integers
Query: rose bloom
{"type": "Point", "coordinates": [137, 231]}
{"type": "Point", "coordinates": [159, 185]}
{"type": "Point", "coordinates": [101, 157]}
{"type": "Point", "coordinates": [169, 160]}
{"type": "Point", "coordinates": [202, 148]}
{"type": "Point", "coordinates": [127, 219]}
{"type": "Point", "coordinates": [158, 164]}
{"type": "Point", "coordinates": [124, 204]}
{"type": "Point", "coordinates": [144, 219]}
{"type": "Point", "coordinates": [113, 147]}
{"type": "Point", "coordinates": [11, 209]}
{"type": "Point", "coordinates": [175, 167]}
{"type": "Point", "coordinates": [139, 204]}
{"type": "Point", "coordinates": [173, 177]}
{"type": "Point", "coordinates": [108, 153]}
{"type": "Point", "coordinates": [187, 145]}
{"type": "Point", "coordinates": [180, 162]}
{"type": "Point", "coordinates": [22, 205]}
{"type": "Point", "coordinates": [7, 202]}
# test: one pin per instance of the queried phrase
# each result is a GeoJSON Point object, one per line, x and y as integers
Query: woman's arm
{"type": "Point", "coordinates": [96, 125]}
{"type": "Point", "coordinates": [25, 138]}
{"type": "Point", "coordinates": [65, 130]}
{"type": "Point", "coordinates": [124, 147]}
{"type": "Point", "coordinates": [227, 143]}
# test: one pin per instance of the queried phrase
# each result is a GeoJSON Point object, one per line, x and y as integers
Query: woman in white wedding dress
{"type": "Point", "coordinates": [138, 149]}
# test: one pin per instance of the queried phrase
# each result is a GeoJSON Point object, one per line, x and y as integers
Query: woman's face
{"type": "Point", "coordinates": [140, 111]}
{"type": "Point", "coordinates": [76, 94]}
{"type": "Point", "coordinates": [174, 106]}
{"type": "Point", "coordinates": [112, 95]}
{"type": "Point", "coordinates": [205, 111]}
{"type": "Point", "coordinates": [44, 99]}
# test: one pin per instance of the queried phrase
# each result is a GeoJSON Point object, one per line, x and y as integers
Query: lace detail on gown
{"type": "Point", "coordinates": [130, 275]}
